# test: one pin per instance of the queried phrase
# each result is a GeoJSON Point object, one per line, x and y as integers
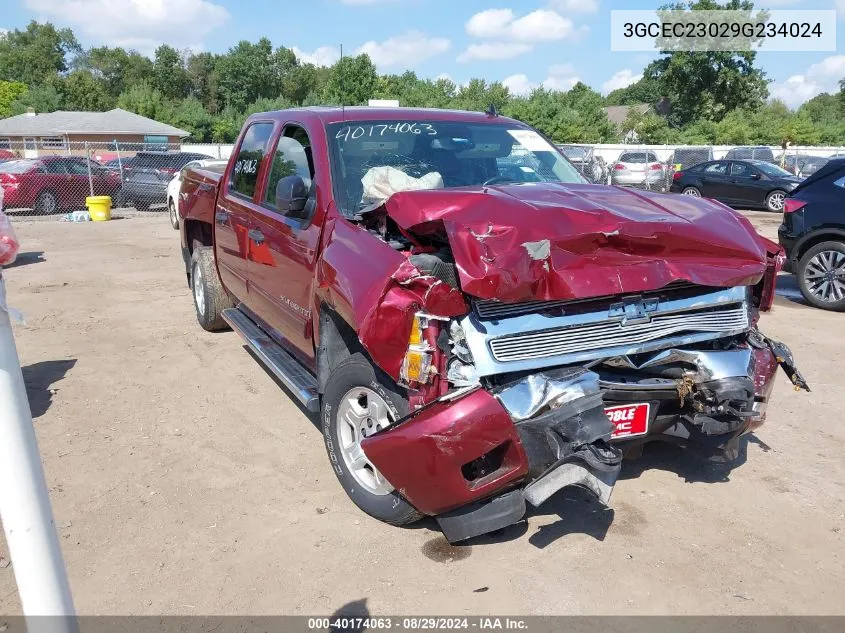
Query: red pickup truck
{"type": "Point", "coordinates": [477, 326]}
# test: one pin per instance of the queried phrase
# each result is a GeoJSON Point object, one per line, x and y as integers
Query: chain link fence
{"type": "Point", "coordinates": [55, 180]}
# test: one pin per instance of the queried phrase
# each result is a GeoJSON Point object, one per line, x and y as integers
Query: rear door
{"type": "Point", "coordinates": [235, 206]}
{"type": "Point", "coordinates": [56, 180]}
{"type": "Point", "coordinates": [284, 249]}
{"type": "Point", "coordinates": [714, 180]}
{"type": "Point", "coordinates": [78, 187]}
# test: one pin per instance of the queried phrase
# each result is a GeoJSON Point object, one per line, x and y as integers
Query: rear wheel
{"type": "Point", "coordinates": [774, 201]}
{"type": "Point", "coordinates": [210, 299]}
{"type": "Point", "coordinates": [174, 217]}
{"type": "Point", "coordinates": [821, 276]}
{"type": "Point", "coordinates": [47, 203]}
{"type": "Point", "coordinates": [359, 401]}
{"type": "Point", "coordinates": [691, 191]}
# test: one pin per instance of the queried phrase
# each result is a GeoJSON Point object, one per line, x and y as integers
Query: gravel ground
{"type": "Point", "coordinates": [185, 481]}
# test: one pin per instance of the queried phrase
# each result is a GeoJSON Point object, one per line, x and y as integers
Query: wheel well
{"type": "Point", "coordinates": [817, 238]}
{"type": "Point", "coordinates": [337, 342]}
{"type": "Point", "coordinates": [197, 232]}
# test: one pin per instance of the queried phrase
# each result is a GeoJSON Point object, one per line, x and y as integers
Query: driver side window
{"type": "Point", "coordinates": [290, 158]}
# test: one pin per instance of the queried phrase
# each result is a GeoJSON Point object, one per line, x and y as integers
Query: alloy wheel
{"type": "Point", "coordinates": [824, 276]}
{"type": "Point", "coordinates": [361, 413]}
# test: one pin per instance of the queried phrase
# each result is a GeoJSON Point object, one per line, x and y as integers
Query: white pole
{"type": "Point", "coordinates": [24, 501]}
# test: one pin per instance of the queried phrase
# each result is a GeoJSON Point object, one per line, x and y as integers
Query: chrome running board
{"type": "Point", "coordinates": [285, 367]}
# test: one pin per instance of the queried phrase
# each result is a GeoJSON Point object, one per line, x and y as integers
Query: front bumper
{"type": "Point", "coordinates": [474, 458]}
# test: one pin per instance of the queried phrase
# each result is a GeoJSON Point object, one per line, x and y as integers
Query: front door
{"type": "Point", "coordinates": [282, 260]}
{"type": "Point", "coordinates": [235, 205]}
{"type": "Point", "coordinates": [747, 185]}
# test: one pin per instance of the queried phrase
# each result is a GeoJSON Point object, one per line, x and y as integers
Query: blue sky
{"type": "Point", "coordinates": [523, 42]}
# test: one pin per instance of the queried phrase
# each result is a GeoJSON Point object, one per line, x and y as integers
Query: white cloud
{"type": "Point", "coordinates": [561, 77]}
{"type": "Point", "coordinates": [139, 24]}
{"type": "Point", "coordinates": [323, 56]}
{"type": "Point", "coordinates": [622, 79]}
{"type": "Point", "coordinates": [576, 6]}
{"type": "Point", "coordinates": [519, 85]}
{"type": "Point", "coordinates": [494, 50]}
{"type": "Point", "coordinates": [407, 49]}
{"type": "Point", "coordinates": [818, 78]}
{"type": "Point", "coordinates": [543, 25]}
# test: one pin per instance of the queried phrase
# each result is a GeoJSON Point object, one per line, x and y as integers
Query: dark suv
{"type": "Point", "coordinates": [813, 234]}
{"type": "Point", "coordinates": [151, 172]}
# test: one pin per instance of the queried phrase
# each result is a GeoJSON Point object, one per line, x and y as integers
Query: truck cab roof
{"type": "Point", "coordinates": [337, 114]}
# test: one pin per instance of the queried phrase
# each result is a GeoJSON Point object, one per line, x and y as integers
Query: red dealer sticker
{"type": "Point", "coordinates": [630, 420]}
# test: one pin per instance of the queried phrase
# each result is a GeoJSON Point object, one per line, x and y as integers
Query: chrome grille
{"type": "Point", "coordinates": [613, 334]}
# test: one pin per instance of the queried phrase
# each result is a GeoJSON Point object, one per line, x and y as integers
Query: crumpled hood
{"type": "Point", "coordinates": [549, 241]}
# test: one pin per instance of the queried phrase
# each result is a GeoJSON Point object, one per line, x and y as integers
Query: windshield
{"type": "Point", "coordinates": [770, 170]}
{"type": "Point", "coordinates": [17, 166]}
{"type": "Point", "coordinates": [371, 160]}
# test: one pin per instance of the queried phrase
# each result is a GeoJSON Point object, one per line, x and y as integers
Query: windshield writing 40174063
{"type": "Point", "coordinates": [355, 132]}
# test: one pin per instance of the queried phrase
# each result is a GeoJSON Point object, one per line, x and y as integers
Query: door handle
{"type": "Point", "coordinates": [256, 236]}
{"type": "Point", "coordinates": [221, 217]}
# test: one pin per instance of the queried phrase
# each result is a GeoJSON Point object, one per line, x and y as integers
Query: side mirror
{"type": "Point", "coordinates": [755, 176]}
{"type": "Point", "coordinates": [291, 196]}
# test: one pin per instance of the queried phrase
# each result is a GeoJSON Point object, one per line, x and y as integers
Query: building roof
{"type": "Point", "coordinates": [618, 114]}
{"type": "Point", "coordinates": [115, 121]}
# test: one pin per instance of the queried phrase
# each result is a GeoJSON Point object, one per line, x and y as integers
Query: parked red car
{"type": "Point", "coordinates": [53, 183]}
{"type": "Point", "coordinates": [476, 325]}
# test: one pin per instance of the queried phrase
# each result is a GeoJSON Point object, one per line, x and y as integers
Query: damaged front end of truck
{"type": "Point", "coordinates": [544, 331]}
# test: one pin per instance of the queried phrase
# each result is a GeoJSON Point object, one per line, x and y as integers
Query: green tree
{"type": "Point", "coordinates": [82, 91]}
{"type": "Point", "coordinates": [118, 68]}
{"type": "Point", "coordinates": [202, 74]}
{"type": "Point", "coordinates": [36, 53]}
{"type": "Point", "coordinates": [147, 101]}
{"type": "Point", "coordinates": [646, 90]}
{"type": "Point", "coordinates": [247, 73]}
{"type": "Point", "coordinates": [170, 76]}
{"type": "Point", "coordinates": [45, 98]}
{"type": "Point", "coordinates": [648, 127]}
{"type": "Point", "coordinates": [708, 85]}
{"type": "Point", "coordinates": [9, 92]}
{"type": "Point", "coordinates": [351, 81]}
{"type": "Point", "coordinates": [191, 116]}
{"type": "Point", "coordinates": [478, 96]}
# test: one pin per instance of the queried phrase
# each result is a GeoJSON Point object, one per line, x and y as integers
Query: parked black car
{"type": "Point", "coordinates": [145, 184]}
{"type": "Point", "coordinates": [813, 235]}
{"type": "Point", "coordinates": [739, 183]}
{"type": "Point", "coordinates": [760, 152]}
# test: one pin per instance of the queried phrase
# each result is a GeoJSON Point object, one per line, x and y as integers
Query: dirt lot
{"type": "Point", "coordinates": [185, 481]}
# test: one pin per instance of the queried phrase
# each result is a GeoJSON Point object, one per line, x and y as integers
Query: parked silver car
{"type": "Point", "coordinates": [639, 169]}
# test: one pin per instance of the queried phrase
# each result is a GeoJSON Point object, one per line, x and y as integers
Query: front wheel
{"type": "Point", "coordinates": [774, 201]}
{"type": "Point", "coordinates": [359, 401]}
{"type": "Point", "coordinates": [174, 216]}
{"type": "Point", "coordinates": [47, 203]}
{"type": "Point", "coordinates": [821, 276]}
{"type": "Point", "coordinates": [691, 191]}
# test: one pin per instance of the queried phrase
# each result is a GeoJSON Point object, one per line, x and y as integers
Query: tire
{"type": "Point", "coordinates": [374, 394]}
{"type": "Point", "coordinates": [821, 276]}
{"type": "Point", "coordinates": [174, 216]}
{"type": "Point", "coordinates": [46, 203]}
{"type": "Point", "coordinates": [774, 201]}
{"type": "Point", "coordinates": [210, 299]}
{"type": "Point", "coordinates": [691, 191]}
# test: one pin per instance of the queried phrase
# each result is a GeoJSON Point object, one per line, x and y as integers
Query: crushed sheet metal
{"type": "Point", "coordinates": [708, 364]}
{"type": "Point", "coordinates": [602, 240]}
{"type": "Point", "coordinates": [542, 391]}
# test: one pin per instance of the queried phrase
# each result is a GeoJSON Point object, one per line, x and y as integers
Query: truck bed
{"type": "Point", "coordinates": [200, 193]}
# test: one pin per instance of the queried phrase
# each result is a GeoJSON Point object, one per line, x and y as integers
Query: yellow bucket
{"type": "Point", "coordinates": [99, 207]}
